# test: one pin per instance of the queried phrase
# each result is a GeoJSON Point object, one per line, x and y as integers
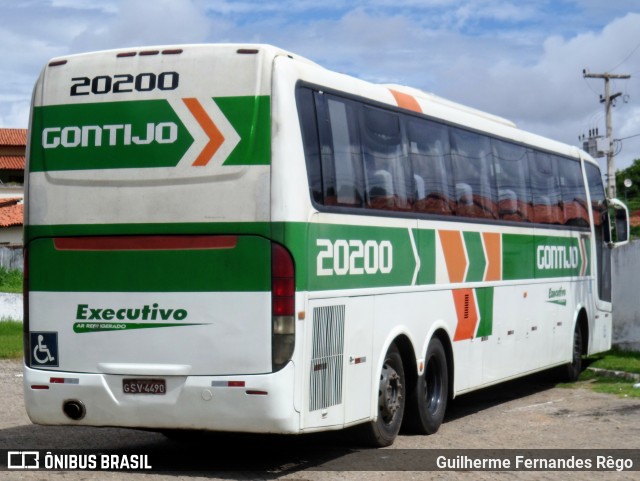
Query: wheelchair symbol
{"type": "Point", "coordinates": [43, 350]}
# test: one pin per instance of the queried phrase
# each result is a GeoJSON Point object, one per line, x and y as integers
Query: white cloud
{"type": "Point", "coordinates": [521, 60]}
{"type": "Point", "coordinates": [140, 22]}
{"type": "Point", "coordinates": [16, 112]}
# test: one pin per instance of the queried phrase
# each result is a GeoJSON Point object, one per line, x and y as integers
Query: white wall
{"type": "Point", "coordinates": [11, 307]}
{"type": "Point", "coordinates": [626, 295]}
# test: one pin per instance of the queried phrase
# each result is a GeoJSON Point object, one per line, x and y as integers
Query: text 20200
{"type": "Point", "coordinates": [124, 83]}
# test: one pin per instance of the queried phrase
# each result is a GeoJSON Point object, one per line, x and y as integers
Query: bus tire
{"type": "Point", "coordinates": [570, 372]}
{"type": "Point", "coordinates": [391, 402]}
{"type": "Point", "coordinates": [427, 404]}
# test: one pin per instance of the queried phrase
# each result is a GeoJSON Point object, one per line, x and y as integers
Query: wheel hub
{"type": "Point", "coordinates": [390, 399]}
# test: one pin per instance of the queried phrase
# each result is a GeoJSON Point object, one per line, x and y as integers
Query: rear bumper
{"type": "Point", "coordinates": [265, 404]}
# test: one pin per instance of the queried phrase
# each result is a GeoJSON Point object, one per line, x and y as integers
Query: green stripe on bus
{"type": "Point", "coordinates": [247, 267]}
{"type": "Point", "coordinates": [427, 250]}
{"type": "Point", "coordinates": [335, 256]}
{"type": "Point", "coordinates": [484, 296]}
{"type": "Point", "coordinates": [251, 118]}
{"type": "Point", "coordinates": [517, 257]}
{"type": "Point", "coordinates": [477, 261]}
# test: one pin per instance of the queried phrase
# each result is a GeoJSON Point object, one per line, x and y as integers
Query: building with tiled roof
{"type": "Point", "coordinates": [13, 137]}
{"type": "Point", "coordinates": [11, 220]}
{"type": "Point", "coordinates": [13, 145]}
{"type": "Point", "coordinates": [11, 212]}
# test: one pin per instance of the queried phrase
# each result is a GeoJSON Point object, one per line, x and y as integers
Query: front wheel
{"type": "Point", "coordinates": [391, 400]}
{"type": "Point", "coordinates": [428, 403]}
{"type": "Point", "coordinates": [570, 372]}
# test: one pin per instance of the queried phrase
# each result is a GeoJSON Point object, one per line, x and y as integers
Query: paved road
{"type": "Point", "coordinates": [525, 414]}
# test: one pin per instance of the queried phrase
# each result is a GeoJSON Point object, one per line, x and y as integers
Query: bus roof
{"type": "Point", "coordinates": [433, 98]}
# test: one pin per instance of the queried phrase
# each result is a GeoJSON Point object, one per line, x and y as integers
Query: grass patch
{"type": "Point", "coordinates": [613, 360]}
{"type": "Point", "coordinates": [616, 360]}
{"type": "Point", "coordinates": [10, 339]}
{"type": "Point", "coordinates": [607, 385]}
{"type": "Point", "coordinates": [10, 280]}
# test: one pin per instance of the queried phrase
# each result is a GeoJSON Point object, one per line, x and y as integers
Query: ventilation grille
{"type": "Point", "coordinates": [466, 306]}
{"type": "Point", "coordinates": [327, 356]}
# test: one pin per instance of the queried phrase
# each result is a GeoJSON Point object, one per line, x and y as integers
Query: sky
{"type": "Point", "coordinates": [522, 60]}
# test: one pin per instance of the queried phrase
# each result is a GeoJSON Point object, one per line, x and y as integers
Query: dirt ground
{"type": "Point", "coordinates": [526, 414]}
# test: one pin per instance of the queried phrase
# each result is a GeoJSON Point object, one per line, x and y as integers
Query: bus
{"type": "Point", "coordinates": [233, 238]}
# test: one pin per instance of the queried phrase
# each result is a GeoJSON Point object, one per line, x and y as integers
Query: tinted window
{"type": "Point", "coordinates": [597, 194]}
{"type": "Point", "coordinates": [340, 150]}
{"type": "Point", "coordinates": [545, 188]}
{"type": "Point", "coordinates": [309, 127]}
{"type": "Point", "coordinates": [574, 196]}
{"type": "Point", "coordinates": [472, 164]}
{"type": "Point", "coordinates": [360, 155]}
{"type": "Point", "coordinates": [512, 178]}
{"type": "Point", "coordinates": [429, 151]}
{"type": "Point", "coordinates": [387, 172]}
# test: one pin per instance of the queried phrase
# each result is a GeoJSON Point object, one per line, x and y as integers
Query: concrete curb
{"type": "Point", "coordinates": [628, 376]}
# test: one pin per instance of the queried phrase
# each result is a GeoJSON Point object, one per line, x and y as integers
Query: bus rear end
{"type": "Point", "coordinates": [156, 293]}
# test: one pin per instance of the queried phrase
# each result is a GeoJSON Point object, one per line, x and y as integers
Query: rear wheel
{"type": "Point", "coordinates": [391, 401]}
{"type": "Point", "coordinates": [428, 403]}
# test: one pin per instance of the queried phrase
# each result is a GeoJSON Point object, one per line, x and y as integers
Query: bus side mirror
{"type": "Point", "coordinates": [619, 215]}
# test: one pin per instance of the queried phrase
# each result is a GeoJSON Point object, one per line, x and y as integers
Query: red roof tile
{"type": "Point", "coordinates": [11, 162]}
{"type": "Point", "coordinates": [13, 136]}
{"type": "Point", "coordinates": [12, 215]}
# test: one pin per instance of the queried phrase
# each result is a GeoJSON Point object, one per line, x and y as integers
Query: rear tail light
{"type": "Point", "coordinates": [283, 290]}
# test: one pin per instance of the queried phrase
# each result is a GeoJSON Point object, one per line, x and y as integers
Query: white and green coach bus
{"type": "Point", "coordinates": [233, 238]}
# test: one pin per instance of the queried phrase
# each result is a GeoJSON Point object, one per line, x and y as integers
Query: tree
{"type": "Point", "coordinates": [632, 193]}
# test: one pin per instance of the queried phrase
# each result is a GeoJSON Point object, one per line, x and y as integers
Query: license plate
{"type": "Point", "coordinates": [144, 386]}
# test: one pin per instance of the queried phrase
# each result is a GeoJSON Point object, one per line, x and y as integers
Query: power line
{"type": "Point", "coordinates": [627, 57]}
{"type": "Point", "coordinates": [630, 137]}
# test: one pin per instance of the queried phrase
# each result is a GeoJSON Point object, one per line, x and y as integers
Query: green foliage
{"type": "Point", "coordinates": [10, 280]}
{"type": "Point", "coordinates": [631, 194]}
{"type": "Point", "coordinates": [10, 339]}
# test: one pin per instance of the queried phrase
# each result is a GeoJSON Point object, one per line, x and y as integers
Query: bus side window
{"type": "Point", "coordinates": [473, 165]}
{"type": "Point", "coordinates": [545, 188]}
{"type": "Point", "coordinates": [388, 175]}
{"type": "Point", "coordinates": [598, 198]}
{"type": "Point", "coordinates": [601, 230]}
{"type": "Point", "coordinates": [574, 196]}
{"type": "Point", "coordinates": [311, 144]}
{"type": "Point", "coordinates": [512, 174]}
{"type": "Point", "coordinates": [428, 146]}
{"type": "Point", "coordinates": [340, 149]}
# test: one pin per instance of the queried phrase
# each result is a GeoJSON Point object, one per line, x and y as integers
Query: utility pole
{"type": "Point", "coordinates": [607, 100]}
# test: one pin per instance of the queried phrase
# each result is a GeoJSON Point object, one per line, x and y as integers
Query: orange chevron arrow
{"type": "Point", "coordinates": [454, 254]}
{"type": "Point", "coordinates": [216, 139]}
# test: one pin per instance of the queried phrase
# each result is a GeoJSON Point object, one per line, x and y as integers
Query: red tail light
{"type": "Point", "coordinates": [283, 306]}
{"type": "Point", "coordinates": [283, 286]}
